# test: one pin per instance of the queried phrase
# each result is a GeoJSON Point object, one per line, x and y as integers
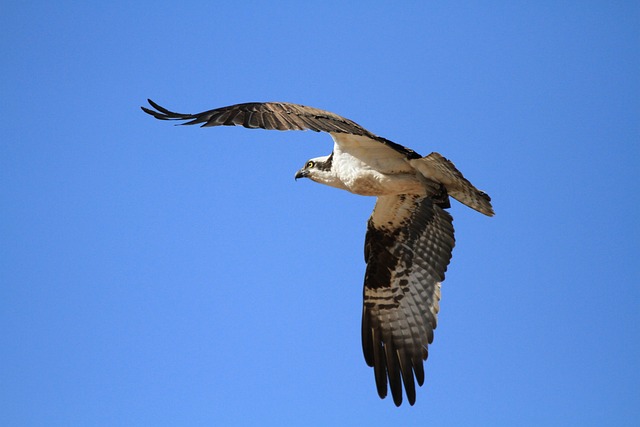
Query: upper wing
{"type": "Point", "coordinates": [278, 116]}
{"type": "Point", "coordinates": [438, 168]}
{"type": "Point", "coordinates": [407, 249]}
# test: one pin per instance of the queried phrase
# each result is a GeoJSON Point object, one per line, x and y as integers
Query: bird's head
{"type": "Point", "coordinates": [316, 169]}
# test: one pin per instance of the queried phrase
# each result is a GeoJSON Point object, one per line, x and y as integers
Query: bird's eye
{"type": "Point", "coordinates": [310, 164]}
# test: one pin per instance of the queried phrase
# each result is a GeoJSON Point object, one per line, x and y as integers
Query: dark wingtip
{"type": "Point", "coordinates": [418, 370]}
{"type": "Point", "coordinates": [397, 399]}
{"type": "Point", "coordinates": [162, 109]}
{"type": "Point", "coordinates": [159, 112]}
{"type": "Point", "coordinates": [151, 112]}
{"type": "Point", "coordinates": [162, 113]}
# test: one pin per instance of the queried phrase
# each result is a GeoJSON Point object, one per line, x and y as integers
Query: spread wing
{"type": "Point", "coordinates": [281, 116]}
{"type": "Point", "coordinates": [407, 249]}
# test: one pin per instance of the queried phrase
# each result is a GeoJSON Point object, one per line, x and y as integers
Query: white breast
{"type": "Point", "coordinates": [370, 172]}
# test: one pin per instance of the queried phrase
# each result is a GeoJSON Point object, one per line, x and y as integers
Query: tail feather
{"type": "Point", "coordinates": [438, 168]}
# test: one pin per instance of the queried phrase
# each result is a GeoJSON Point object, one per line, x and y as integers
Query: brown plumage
{"type": "Point", "coordinates": [409, 239]}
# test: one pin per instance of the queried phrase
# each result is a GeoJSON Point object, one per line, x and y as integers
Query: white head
{"type": "Point", "coordinates": [320, 170]}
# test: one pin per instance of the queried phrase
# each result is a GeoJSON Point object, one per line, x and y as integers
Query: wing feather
{"type": "Point", "coordinates": [277, 116]}
{"type": "Point", "coordinates": [380, 363]}
{"type": "Point", "coordinates": [406, 367]}
{"type": "Point", "coordinates": [407, 249]}
{"type": "Point", "coordinates": [393, 371]}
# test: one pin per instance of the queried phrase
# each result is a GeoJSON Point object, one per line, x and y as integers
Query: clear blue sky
{"type": "Point", "coordinates": [159, 275]}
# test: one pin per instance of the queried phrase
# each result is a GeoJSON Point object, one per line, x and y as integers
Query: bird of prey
{"type": "Point", "coordinates": [409, 238]}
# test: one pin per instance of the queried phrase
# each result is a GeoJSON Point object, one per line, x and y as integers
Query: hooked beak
{"type": "Point", "coordinates": [302, 173]}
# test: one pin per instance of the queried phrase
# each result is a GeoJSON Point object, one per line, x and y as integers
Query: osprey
{"type": "Point", "coordinates": [409, 237]}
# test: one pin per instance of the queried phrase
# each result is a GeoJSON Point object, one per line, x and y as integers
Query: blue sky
{"type": "Point", "coordinates": [161, 275]}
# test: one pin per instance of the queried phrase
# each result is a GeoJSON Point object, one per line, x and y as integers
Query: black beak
{"type": "Point", "coordinates": [302, 173]}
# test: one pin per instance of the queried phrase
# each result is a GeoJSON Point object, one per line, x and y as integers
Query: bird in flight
{"type": "Point", "coordinates": [409, 238]}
